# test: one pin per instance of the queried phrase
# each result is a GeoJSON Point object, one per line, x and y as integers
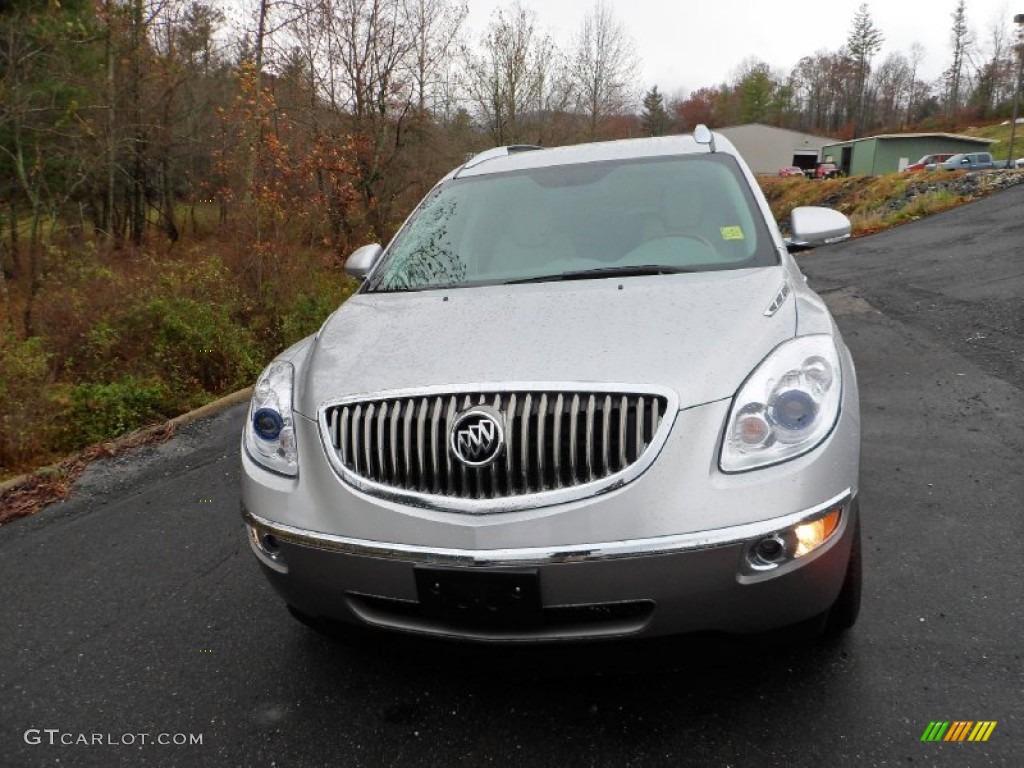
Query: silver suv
{"type": "Point", "coordinates": [583, 393]}
{"type": "Point", "coordinates": [969, 161]}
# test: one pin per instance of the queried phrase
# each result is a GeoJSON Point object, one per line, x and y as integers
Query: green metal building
{"type": "Point", "coordinates": [889, 153]}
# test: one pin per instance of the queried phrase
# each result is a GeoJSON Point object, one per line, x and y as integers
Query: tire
{"type": "Point", "coordinates": [844, 611]}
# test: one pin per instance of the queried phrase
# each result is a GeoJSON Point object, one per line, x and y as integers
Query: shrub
{"type": "Point", "coordinates": [194, 346]}
{"type": "Point", "coordinates": [132, 336]}
{"type": "Point", "coordinates": [24, 408]}
{"type": "Point", "coordinates": [180, 321]}
{"type": "Point", "coordinates": [309, 309]}
{"type": "Point", "coordinates": [93, 413]}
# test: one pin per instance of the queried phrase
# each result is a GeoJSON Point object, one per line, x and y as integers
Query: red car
{"type": "Point", "coordinates": [791, 171]}
{"type": "Point", "coordinates": [826, 171]}
{"type": "Point", "coordinates": [927, 160]}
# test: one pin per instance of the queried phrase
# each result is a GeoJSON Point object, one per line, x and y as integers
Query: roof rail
{"type": "Point", "coordinates": [490, 154]}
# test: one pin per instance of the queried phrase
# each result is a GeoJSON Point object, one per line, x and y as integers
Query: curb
{"type": "Point", "coordinates": [209, 409]}
{"type": "Point", "coordinates": [202, 412]}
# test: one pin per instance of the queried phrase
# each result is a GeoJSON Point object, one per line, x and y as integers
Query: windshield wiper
{"type": "Point", "coordinates": [419, 288]}
{"type": "Point", "coordinates": [636, 270]}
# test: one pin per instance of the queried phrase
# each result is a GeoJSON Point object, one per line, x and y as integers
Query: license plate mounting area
{"type": "Point", "coordinates": [501, 598]}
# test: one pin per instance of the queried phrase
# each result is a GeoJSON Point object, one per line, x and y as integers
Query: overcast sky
{"type": "Point", "coordinates": [687, 45]}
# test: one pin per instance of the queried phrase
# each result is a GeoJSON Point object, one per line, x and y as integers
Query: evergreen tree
{"type": "Point", "coordinates": [756, 91]}
{"type": "Point", "coordinates": [655, 120]}
{"type": "Point", "coordinates": [864, 41]}
{"type": "Point", "coordinates": [960, 38]}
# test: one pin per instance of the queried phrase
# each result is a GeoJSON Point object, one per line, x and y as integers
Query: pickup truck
{"type": "Point", "coordinates": [824, 171]}
{"type": "Point", "coordinates": [928, 162]}
{"type": "Point", "coordinates": [968, 161]}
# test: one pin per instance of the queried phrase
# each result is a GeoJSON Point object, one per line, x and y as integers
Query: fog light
{"type": "Point", "coordinates": [771, 549]}
{"type": "Point", "coordinates": [782, 547]}
{"type": "Point", "coordinates": [769, 552]}
{"type": "Point", "coordinates": [812, 535]}
{"type": "Point", "coordinates": [267, 549]}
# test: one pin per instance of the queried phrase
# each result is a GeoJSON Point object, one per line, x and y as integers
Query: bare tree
{"type": "Point", "coordinates": [371, 42]}
{"type": "Point", "coordinates": [435, 26]}
{"type": "Point", "coordinates": [184, 72]}
{"type": "Point", "coordinates": [604, 67]}
{"type": "Point", "coordinates": [364, 52]}
{"type": "Point", "coordinates": [995, 70]}
{"type": "Point", "coordinates": [820, 82]}
{"type": "Point", "coordinates": [261, 45]}
{"type": "Point", "coordinates": [918, 90]}
{"type": "Point", "coordinates": [892, 83]}
{"type": "Point", "coordinates": [506, 79]}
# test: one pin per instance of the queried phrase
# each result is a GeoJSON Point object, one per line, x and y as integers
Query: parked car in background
{"type": "Point", "coordinates": [967, 161]}
{"type": "Point", "coordinates": [824, 171]}
{"type": "Point", "coordinates": [927, 160]}
{"type": "Point", "coordinates": [791, 170]}
{"type": "Point", "coordinates": [584, 393]}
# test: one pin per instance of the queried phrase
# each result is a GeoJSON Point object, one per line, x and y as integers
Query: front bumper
{"type": "Point", "coordinates": [663, 554]}
{"type": "Point", "coordinates": [641, 587]}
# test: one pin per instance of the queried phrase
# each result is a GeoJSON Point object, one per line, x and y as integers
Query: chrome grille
{"type": "Point", "coordinates": [553, 440]}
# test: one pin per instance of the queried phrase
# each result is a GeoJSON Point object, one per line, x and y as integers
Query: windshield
{"type": "Point", "coordinates": [634, 217]}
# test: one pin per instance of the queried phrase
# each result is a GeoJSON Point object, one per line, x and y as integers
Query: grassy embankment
{"type": "Point", "coordinates": [120, 337]}
{"type": "Point", "coordinates": [875, 203]}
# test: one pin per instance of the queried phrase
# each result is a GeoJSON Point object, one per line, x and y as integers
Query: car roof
{"type": "Point", "coordinates": [520, 158]}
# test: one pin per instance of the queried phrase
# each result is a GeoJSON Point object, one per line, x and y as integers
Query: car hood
{"type": "Point", "coordinates": [700, 334]}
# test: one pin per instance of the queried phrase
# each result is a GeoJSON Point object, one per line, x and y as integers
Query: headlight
{"type": "Point", "coordinates": [787, 407]}
{"type": "Point", "coordinates": [270, 430]}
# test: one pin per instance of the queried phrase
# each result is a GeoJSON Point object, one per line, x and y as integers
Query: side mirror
{"type": "Point", "coordinates": [813, 226]}
{"type": "Point", "coordinates": [359, 264]}
{"type": "Point", "coordinates": [965, 161]}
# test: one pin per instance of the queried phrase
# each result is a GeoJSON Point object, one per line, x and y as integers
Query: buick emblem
{"type": "Point", "coordinates": [477, 438]}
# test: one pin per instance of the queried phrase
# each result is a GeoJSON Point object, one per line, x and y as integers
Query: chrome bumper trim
{"type": "Point", "coordinates": [575, 553]}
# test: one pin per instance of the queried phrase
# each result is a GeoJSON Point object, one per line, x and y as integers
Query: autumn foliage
{"type": "Point", "coordinates": [99, 335]}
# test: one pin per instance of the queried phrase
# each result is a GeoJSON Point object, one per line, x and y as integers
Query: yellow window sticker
{"type": "Point", "coordinates": [732, 233]}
